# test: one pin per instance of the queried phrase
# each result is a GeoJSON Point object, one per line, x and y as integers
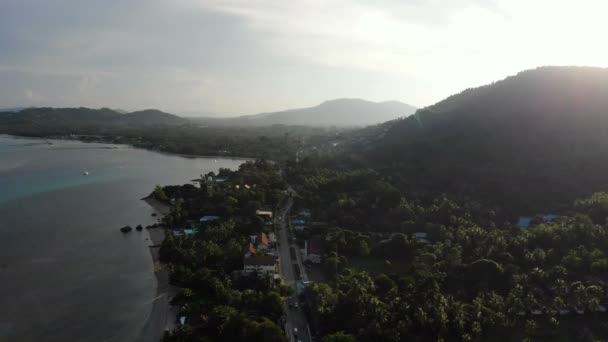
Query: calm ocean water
{"type": "Point", "coordinates": [66, 272]}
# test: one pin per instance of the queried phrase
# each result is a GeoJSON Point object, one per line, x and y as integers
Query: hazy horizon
{"type": "Point", "coordinates": [235, 57]}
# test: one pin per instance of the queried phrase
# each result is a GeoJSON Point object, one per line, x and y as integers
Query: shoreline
{"type": "Point", "coordinates": [162, 315]}
{"type": "Point", "coordinates": [101, 141]}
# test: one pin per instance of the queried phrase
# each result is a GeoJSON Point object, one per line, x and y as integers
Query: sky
{"type": "Point", "coordinates": [230, 57]}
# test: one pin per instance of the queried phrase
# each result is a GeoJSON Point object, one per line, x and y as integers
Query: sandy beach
{"type": "Point", "coordinates": [162, 315]}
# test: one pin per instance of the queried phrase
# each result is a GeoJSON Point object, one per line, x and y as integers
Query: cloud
{"type": "Point", "coordinates": [244, 56]}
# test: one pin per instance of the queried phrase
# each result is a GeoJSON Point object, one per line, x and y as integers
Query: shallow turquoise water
{"type": "Point", "coordinates": [66, 272]}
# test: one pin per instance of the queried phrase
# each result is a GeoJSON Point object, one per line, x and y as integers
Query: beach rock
{"type": "Point", "coordinates": [126, 229]}
{"type": "Point", "coordinates": [139, 227]}
{"type": "Point", "coordinates": [153, 214]}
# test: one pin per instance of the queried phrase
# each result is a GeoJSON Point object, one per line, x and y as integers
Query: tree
{"type": "Point", "coordinates": [362, 247]}
{"type": "Point", "coordinates": [595, 206]}
{"type": "Point", "coordinates": [159, 194]}
{"type": "Point", "coordinates": [339, 336]}
{"type": "Point", "coordinates": [263, 331]}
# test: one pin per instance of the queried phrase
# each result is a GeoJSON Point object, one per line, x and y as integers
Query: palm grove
{"type": "Point", "coordinates": [477, 278]}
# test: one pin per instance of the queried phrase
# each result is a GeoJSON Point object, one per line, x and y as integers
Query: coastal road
{"type": "Point", "coordinates": [295, 317]}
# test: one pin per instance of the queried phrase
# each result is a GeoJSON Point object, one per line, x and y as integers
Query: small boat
{"type": "Point", "coordinates": [86, 173]}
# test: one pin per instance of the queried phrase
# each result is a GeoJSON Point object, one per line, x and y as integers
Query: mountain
{"type": "Point", "coordinates": [71, 118]}
{"type": "Point", "coordinates": [339, 113]}
{"type": "Point", "coordinates": [12, 109]}
{"type": "Point", "coordinates": [151, 117]}
{"type": "Point", "coordinates": [532, 142]}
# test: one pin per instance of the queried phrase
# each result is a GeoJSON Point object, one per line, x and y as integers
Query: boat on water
{"type": "Point", "coordinates": [86, 173]}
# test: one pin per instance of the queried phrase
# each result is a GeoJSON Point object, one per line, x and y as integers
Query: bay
{"type": "Point", "coordinates": [66, 272]}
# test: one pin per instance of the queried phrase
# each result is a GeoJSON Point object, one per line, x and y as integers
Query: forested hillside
{"type": "Point", "coordinates": [534, 141]}
{"type": "Point", "coordinates": [59, 119]}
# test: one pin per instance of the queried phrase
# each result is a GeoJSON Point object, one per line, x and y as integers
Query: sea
{"type": "Point", "coordinates": [66, 271]}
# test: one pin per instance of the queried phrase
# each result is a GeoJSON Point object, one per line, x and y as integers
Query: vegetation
{"type": "Point", "coordinates": [531, 143]}
{"type": "Point", "coordinates": [160, 131]}
{"type": "Point", "coordinates": [477, 278]}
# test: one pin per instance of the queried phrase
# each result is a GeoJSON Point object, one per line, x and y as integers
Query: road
{"type": "Point", "coordinates": [295, 317]}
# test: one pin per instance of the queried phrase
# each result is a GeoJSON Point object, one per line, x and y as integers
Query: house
{"type": "Point", "coordinates": [263, 241]}
{"type": "Point", "coordinates": [550, 217]}
{"type": "Point", "coordinates": [312, 250]}
{"type": "Point", "coordinates": [298, 221]}
{"type": "Point", "coordinates": [272, 237]}
{"type": "Point", "coordinates": [261, 264]}
{"type": "Point", "coordinates": [304, 213]}
{"type": "Point", "coordinates": [266, 213]}
{"type": "Point", "coordinates": [250, 251]}
{"type": "Point", "coordinates": [209, 218]}
{"type": "Point", "coordinates": [421, 237]}
{"type": "Point", "coordinates": [525, 221]}
{"type": "Point", "coordinates": [185, 232]}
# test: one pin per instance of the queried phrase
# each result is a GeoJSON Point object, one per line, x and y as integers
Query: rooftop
{"type": "Point", "coordinates": [261, 260]}
{"type": "Point", "coordinates": [209, 218]}
{"type": "Point", "coordinates": [263, 239]}
{"type": "Point", "coordinates": [313, 246]}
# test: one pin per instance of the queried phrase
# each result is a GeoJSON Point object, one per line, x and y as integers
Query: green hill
{"type": "Point", "coordinates": [534, 141]}
{"type": "Point", "coordinates": [32, 119]}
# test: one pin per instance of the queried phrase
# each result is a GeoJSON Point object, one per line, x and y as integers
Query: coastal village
{"type": "Point", "coordinates": [245, 240]}
{"type": "Point", "coordinates": [254, 224]}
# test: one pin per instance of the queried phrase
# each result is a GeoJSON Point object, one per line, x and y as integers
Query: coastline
{"type": "Point", "coordinates": [102, 141]}
{"type": "Point", "coordinates": [162, 315]}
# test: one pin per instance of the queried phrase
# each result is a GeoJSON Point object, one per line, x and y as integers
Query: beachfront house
{"type": "Point", "coordinates": [261, 264]}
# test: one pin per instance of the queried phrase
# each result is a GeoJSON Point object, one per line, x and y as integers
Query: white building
{"type": "Point", "coordinates": [272, 237]}
{"type": "Point", "coordinates": [264, 213]}
{"type": "Point", "coordinates": [261, 264]}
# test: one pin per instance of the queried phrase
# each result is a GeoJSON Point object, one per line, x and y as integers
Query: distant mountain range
{"type": "Point", "coordinates": [339, 113]}
{"type": "Point", "coordinates": [535, 140]}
